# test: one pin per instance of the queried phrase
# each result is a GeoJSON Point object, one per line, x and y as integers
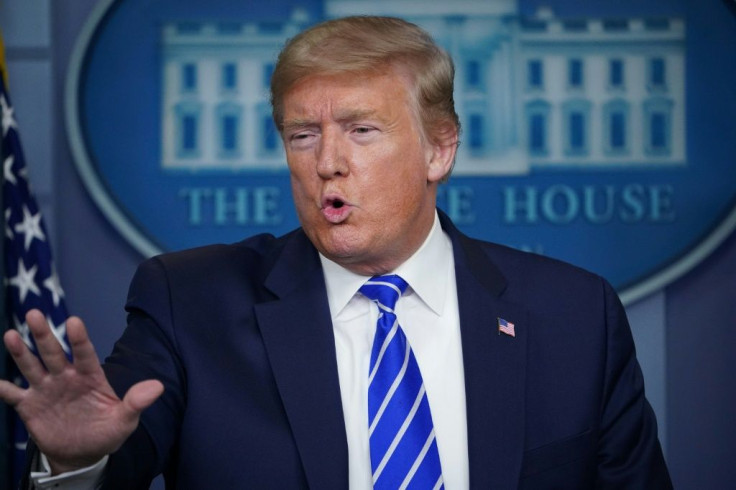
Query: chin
{"type": "Point", "coordinates": [347, 255]}
{"type": "Point", "coordinates": [341, 254]}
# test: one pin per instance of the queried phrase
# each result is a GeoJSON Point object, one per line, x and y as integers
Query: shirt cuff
{"type": "Point", "coordinates": [82, 479]}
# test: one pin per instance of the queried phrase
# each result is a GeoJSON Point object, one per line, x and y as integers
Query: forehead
{"type": "Point", "coordinates": [338, 95]}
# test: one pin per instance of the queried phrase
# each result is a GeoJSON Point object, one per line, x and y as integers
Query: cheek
{"type": "Point", "coordinates": [396, 197]}
{"type": "Point", "coordinates": [401, 164]}
{"type": "Point", "coordinates": [300, 193]}
{"type": "Point", "coordinates": [300, 174]}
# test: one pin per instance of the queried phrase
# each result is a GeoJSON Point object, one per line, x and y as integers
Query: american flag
{"type": "Point", "coordinates": [506, 327]}
{"type": "Point", "coordinates": [30, 276]}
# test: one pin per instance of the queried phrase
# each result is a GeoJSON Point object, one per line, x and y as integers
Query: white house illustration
{"type": "Point", "coordinates": [532, 92]}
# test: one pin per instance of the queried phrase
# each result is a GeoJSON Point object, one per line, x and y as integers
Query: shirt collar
{"type": "Point", "coordinates": [425, 271]}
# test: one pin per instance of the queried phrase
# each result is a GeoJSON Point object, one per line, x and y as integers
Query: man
{"type": "Point", "coordinates": [248, 365]}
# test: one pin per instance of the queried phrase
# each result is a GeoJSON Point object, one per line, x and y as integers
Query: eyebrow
{"type": "Point", "coordinates": [344, 116]}
{"type": "Point", "coordinates": [294, 124]}
{"type": "Point", "coordinates": [355, 114]}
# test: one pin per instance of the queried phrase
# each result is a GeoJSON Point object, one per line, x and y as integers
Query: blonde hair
{"type": "Point", "coordinates": [364, 44]}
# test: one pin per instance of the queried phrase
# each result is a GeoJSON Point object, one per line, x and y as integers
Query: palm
{"type": "Point", "coordinates": [74, 416]}
{"type": "Point", "coordinates": [70, 410]}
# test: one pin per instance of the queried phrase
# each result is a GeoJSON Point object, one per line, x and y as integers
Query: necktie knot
{"type": "Point", "coordinates": [384, 290]}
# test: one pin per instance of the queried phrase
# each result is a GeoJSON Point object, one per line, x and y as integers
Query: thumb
{"type": "Point", "coordinates": [141, 395]}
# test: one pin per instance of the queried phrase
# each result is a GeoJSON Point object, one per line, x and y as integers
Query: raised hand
{"type": "Point", "coordinates": [69, 409]}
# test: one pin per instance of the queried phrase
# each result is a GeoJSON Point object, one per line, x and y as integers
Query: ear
{"type": "Point", "coordinates": [441, 152]}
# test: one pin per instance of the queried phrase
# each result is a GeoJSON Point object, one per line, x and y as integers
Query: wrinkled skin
{"type": "Point", "coordinates": [364, 178]}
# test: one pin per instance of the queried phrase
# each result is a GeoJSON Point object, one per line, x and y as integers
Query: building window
{"type": "Point", "coordinates": [576, 139]}
{"type": "Point", "coordinates": [473, 74]}
{"type": "Point", "coordinates": [270, 28]}
{"type": "Point", "coordinates": [267, 74]}
{"type": "Point", "coordinates": [188, 27]}
{"type": "Point", "coordinates": [615, 25]}
{"type": "Point", "coordinates": [617, 130]}
{"type": "Point", "coordinates": [657, 73]}
{"type": "Point", "coordinates": [269, 139]}
{"type": "Point", "coordinates": [616, 73]}
{"type": "Point", "coordinates": [229, 133]}
{"type": "Point", "coordinates": [476, 132]}
{"type": "Point", "coordinates": [535, 74]}
{"type": "Point", "coordinates": [228, 117]}
{"type": "Point", "coordinates": [538, 133]}
{"type": "Point", "coordinates": [189, 77]}
{"type": "Point", "coordinates": [615, 127]}
{"type": "Point", "coordinates": [575, 25]}
{"type": "Point", "coordinates": [658, 131]}
{"type": "Point", "coordinates": [537, 117]}
{"type": "Point", "coordinates": [576, 120]}
{"type": "Point", "coordinates": [656, 24]}
{"type": "Point", "coordinates": [575, 73]}
{"type": "Point", "coordinates": [270, 135]}
{"type": "Point", "coordinates": [658, 126]}
{"type": "Point", "coordinates": [229, 77]}
{"type": "Point", "coordinates": [188, 130]}
{"type": "Point", "coordinates": [229, 28]}
{"type": "Point", "coordinates": [533, 25]}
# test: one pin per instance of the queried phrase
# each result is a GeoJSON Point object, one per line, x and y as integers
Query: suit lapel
{"type": "Point", "coordinates": [298, 336]}
{"type": "Point", "coordinates": [494, 367]}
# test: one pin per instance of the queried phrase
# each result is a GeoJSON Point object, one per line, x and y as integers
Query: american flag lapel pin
{"type": "Point", "coordinates": [506, 327]}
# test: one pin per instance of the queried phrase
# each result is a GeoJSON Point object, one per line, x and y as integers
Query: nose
{"type": "Point", "coordinates": [332, 155]}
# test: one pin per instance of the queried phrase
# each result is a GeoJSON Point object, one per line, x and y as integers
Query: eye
{"type": "Point", "coordinates": [300, 135]}
{"type": "Point", "coordinates": [301, 139]}
{"type": "Point", "coordinates": [363, 133]}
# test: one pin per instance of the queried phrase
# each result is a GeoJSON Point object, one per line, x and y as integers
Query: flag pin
{"type": "Point", "coordinates": [506, 327]}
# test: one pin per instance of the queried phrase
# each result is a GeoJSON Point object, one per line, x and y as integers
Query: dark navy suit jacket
{"type": "Point", "coordinates": [241, 337]}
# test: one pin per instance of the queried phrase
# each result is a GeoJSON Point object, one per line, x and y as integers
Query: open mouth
{"type": "Point", "coordinates": [333, 203]}
{"type": "Point", "coordinates": [336, 210]}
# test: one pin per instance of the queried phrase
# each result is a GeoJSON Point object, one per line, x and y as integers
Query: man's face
{"type": "Point", "coordinates": [363, 178]}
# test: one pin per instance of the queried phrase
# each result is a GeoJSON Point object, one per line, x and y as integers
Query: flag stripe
{"type": "Point", "coordinates": [30, 276]}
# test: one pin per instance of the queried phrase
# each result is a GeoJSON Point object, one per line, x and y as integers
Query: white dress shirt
{"type": "Point", "coordinates": [428, 314]}
{"type": "Point", "coordinates": [83, 479]}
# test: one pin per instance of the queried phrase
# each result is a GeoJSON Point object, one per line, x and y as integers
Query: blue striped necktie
{"type": "Point", "coordinates": [402, 441]}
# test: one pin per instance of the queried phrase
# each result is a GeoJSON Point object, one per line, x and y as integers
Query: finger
{"type": "Point", "coordinates": [141, 395]}
{"type": "Point", "coordinates": [48, 346]}
{"type": "Point", "coordinates": [83, 352]}
{"type": "Point", "coordinates": [11, 393]}
{"type": "Point", "coordinates": [28, 364]}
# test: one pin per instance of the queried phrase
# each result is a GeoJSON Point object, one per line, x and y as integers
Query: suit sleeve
{"type": "Point", "coordinates": [147, 350]}
{"type": "Point", "coordinates": [629, 453]}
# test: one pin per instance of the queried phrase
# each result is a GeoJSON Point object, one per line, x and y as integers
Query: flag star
{"type": "Point", "coordinates": [24, 331]}
{"type": "Point", "coordinates": [8, 231]}
{"type": "Point", "coordinates": [8, 170]}
{"type": "Point", "coordinates": [54, 286]}
{"type": "Point", "coordinates": [31, 227]}
{"type": "Point", "coordinates": [25, 281]}
{"type": "Point", "coordinates": [7, 112]}
{"type": "Point", "coordinates": [59, 332]}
